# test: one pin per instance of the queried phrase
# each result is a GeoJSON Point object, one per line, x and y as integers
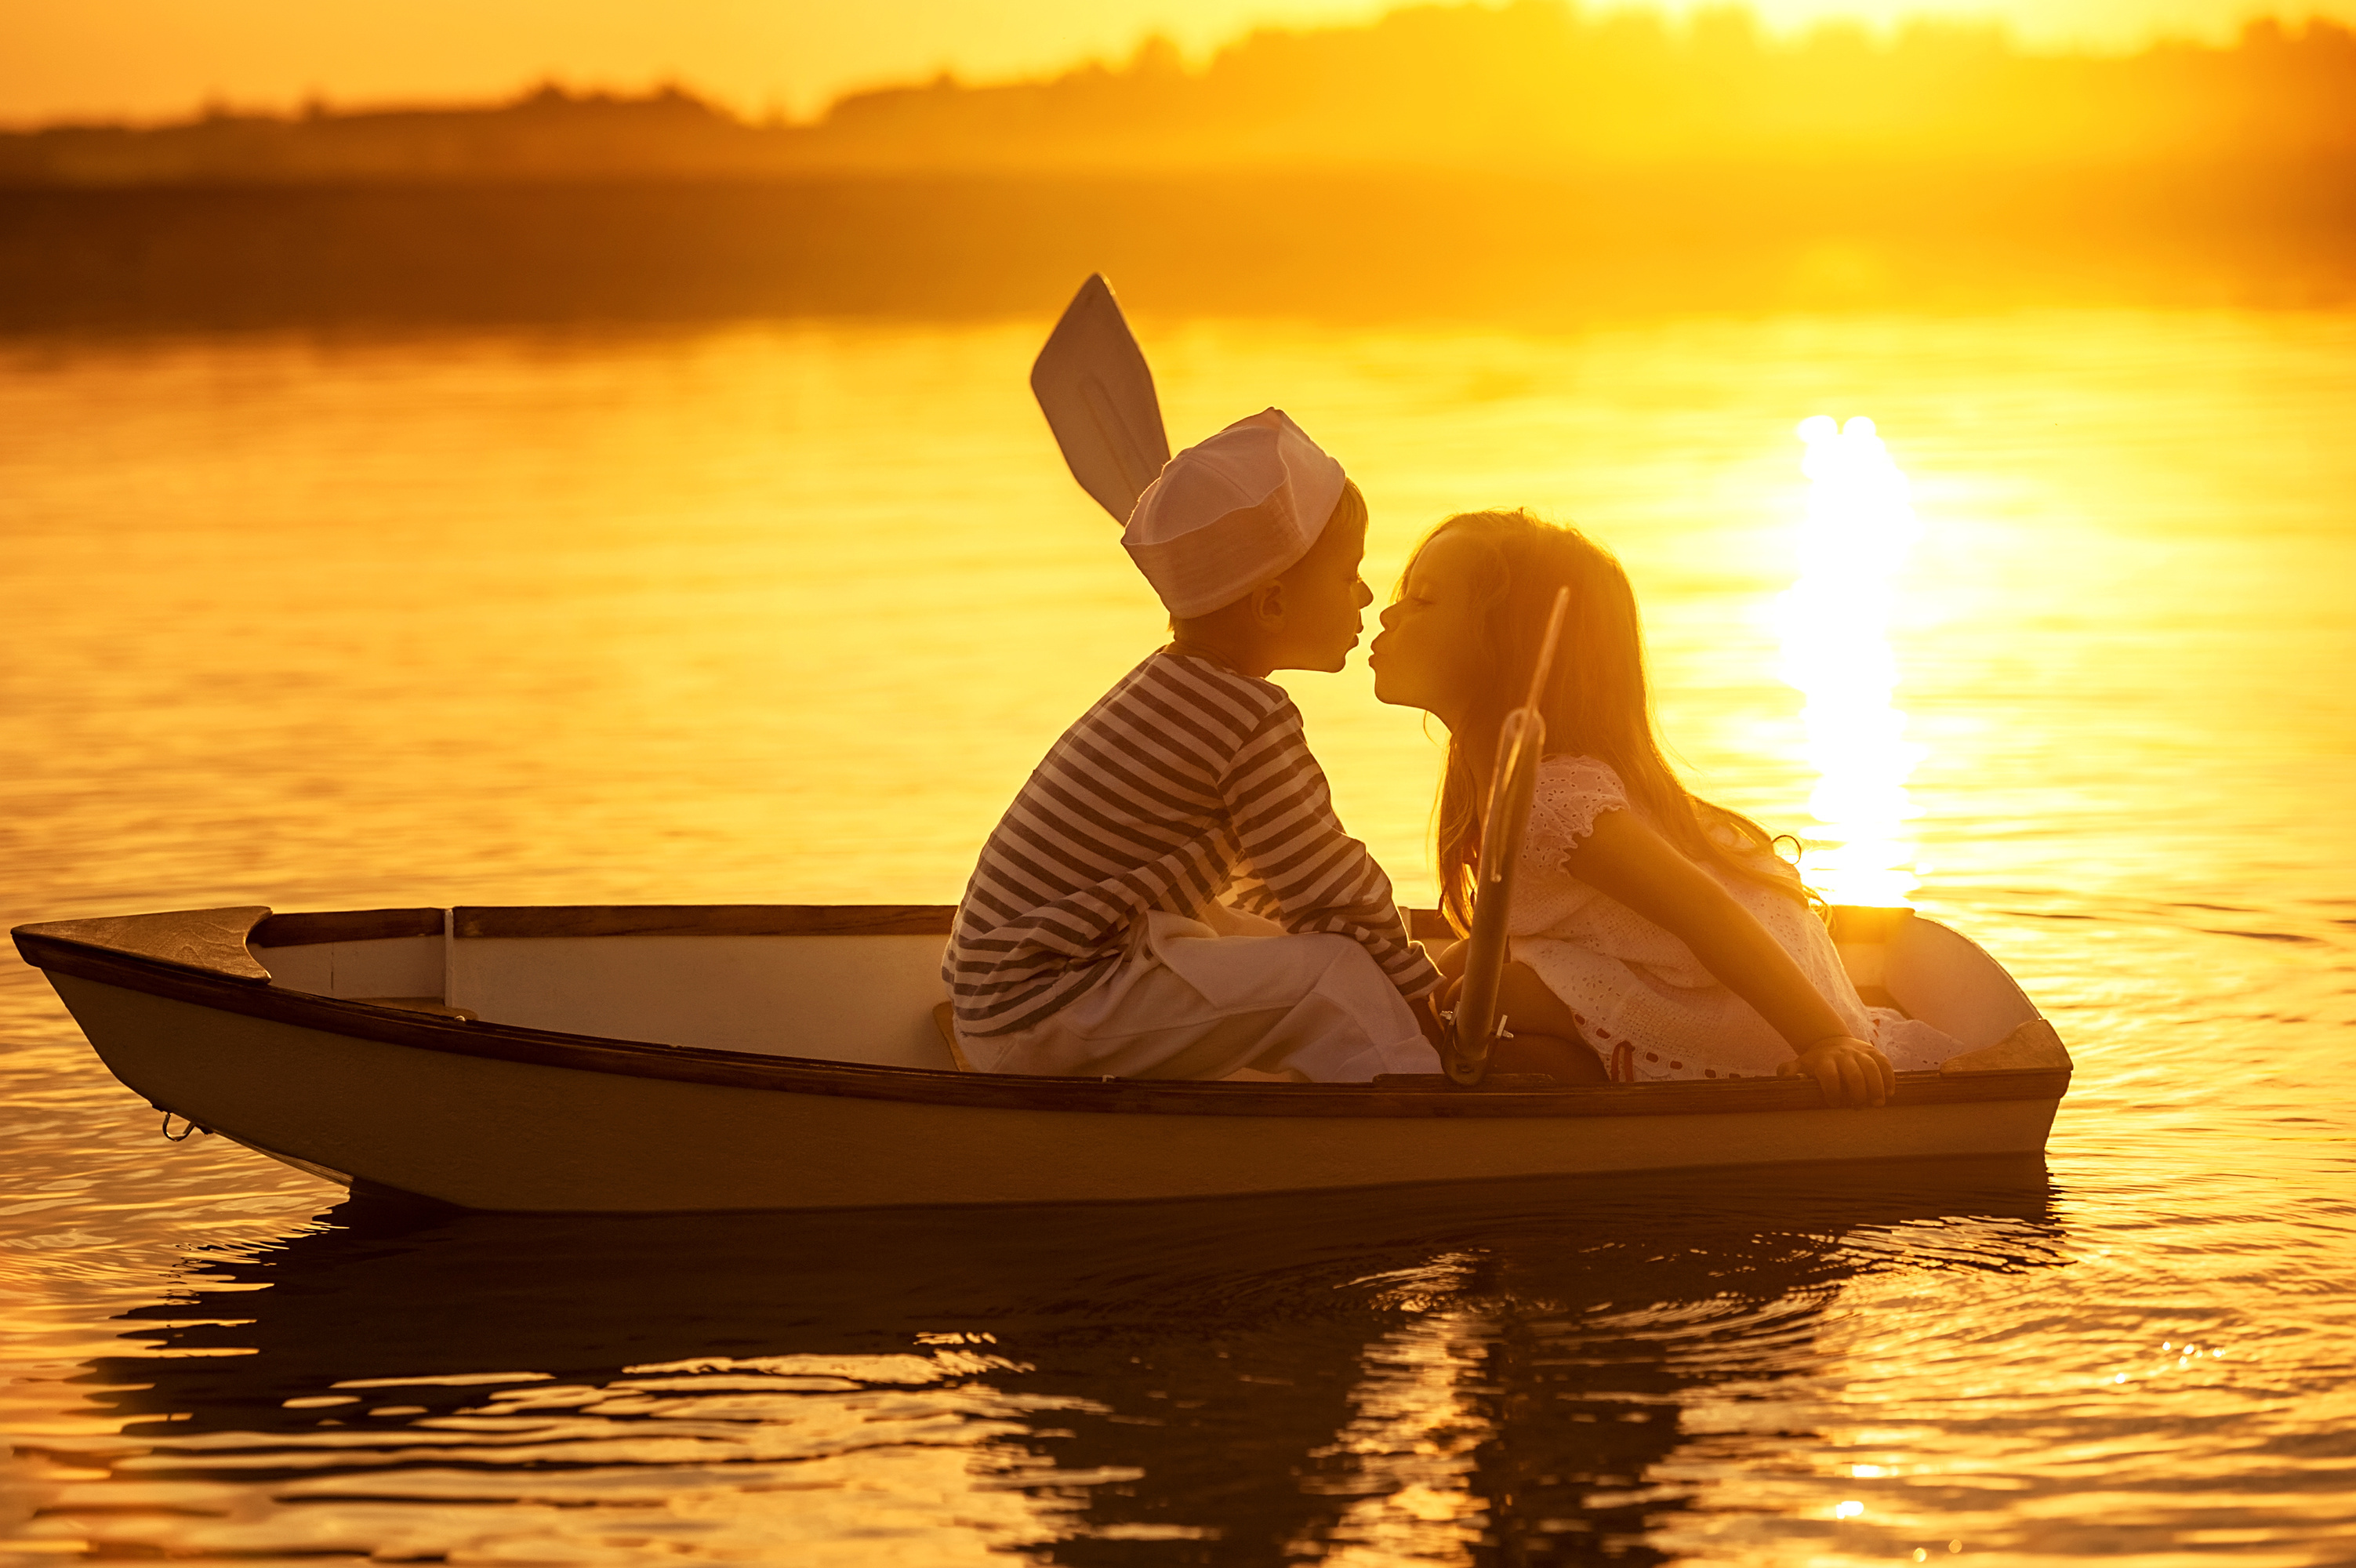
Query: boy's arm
{"type": "Point", "coordinates": [1312, 876]}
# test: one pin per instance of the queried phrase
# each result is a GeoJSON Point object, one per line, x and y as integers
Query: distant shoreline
{"type": "Point", "coordinates": [1551, 249]}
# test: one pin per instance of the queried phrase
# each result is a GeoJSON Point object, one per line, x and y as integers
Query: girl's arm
{"type": "Point", "coordinates": [1629, 861]}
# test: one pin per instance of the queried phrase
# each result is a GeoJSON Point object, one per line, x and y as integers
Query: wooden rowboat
{"type": "Point", "coordinates": [676, 1058]}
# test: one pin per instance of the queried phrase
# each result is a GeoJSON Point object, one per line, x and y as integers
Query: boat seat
{"type": "Point", "coordinates": [434, 1004]}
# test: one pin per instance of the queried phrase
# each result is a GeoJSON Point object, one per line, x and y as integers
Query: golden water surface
{"type": "Point", "coordinates": [2041, 622]}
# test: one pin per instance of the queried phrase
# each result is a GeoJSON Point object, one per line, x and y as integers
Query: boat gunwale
{"type": "Point", "coordinates": [1849, 923]}
{"type": "Point", "coordinates": [68, 947]}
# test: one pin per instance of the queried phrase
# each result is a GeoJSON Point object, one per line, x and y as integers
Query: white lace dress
{"type": "Point", "coordinates": [1641, 998]}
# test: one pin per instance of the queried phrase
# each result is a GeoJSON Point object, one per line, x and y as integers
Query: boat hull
{"type": "Point", "coordinates": [494, 1132]}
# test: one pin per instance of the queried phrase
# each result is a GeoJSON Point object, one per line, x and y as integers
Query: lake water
{"type": "Point", "coordinates": [784, 613]}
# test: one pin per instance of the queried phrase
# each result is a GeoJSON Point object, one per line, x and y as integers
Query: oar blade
{"type": "Point", "coordinates": [1094, 386]}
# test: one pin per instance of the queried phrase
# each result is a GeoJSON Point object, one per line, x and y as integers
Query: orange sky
{"type": "Point", "coordinates": [149, 58]}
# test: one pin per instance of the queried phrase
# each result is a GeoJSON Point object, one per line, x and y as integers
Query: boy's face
{"type": "Point", "coordinates": [1323, 598]}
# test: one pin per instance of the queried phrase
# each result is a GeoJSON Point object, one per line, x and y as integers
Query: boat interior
{"type": "Point", "coordinates": [861, 983]}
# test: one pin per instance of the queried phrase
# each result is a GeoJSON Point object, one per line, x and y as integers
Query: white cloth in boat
{"type": "Point", "coordinates": [1227, 994]}
{"type": "Point", "coordinates": [1640, 997]}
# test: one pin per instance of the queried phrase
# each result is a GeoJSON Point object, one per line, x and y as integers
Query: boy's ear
{"type": "Point", "coordinates": [1268, 604]}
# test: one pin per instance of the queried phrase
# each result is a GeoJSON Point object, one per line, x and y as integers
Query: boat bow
{"type": "Point", "coordinates": [208, 941]}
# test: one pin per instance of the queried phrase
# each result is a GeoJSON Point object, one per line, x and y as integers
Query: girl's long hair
{"type": "Point", "coordinates": [1596, 703]}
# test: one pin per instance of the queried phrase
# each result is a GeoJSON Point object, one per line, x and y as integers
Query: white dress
{"type": "Point", "coordinates": [1640, 997]}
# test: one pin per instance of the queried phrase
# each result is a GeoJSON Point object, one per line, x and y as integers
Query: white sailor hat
{"type": "Point", "coordinates": [1232, 511]}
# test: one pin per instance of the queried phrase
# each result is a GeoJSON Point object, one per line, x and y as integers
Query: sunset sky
{"type": "Point", "coordinates": [151, 59]}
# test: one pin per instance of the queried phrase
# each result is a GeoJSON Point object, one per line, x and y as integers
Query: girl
{"type": "Point", "coordinates": [1655, 935]}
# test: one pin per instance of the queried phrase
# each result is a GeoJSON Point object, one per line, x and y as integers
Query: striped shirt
{"type": "Point", "coordinates": [1185, 781]}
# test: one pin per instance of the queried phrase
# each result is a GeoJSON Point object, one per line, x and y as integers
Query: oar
{"type": "Point", "coordinates": [1474, 1026]}
{"type": "Point", "coordinates": [1092, 383]}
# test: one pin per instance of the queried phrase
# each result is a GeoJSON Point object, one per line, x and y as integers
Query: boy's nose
{"type": "Point", "coordinates": [1366, 593]}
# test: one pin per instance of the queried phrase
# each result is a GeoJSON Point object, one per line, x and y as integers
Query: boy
{"type": "Point", "coordinates": [1094, 938]}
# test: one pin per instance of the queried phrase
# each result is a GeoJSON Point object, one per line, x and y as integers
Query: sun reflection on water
{"type": "Point", "coordinates": [1834, 625]}
{"type": "Point", "coordinates": [1419, 1427]}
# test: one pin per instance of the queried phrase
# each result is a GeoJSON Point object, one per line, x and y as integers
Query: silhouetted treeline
{"type": "Point", "coordinates": [1536, 83]}
{"type": "Point", "coordinates": [1540, 83]}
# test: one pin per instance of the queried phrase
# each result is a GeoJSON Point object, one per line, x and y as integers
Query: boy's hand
{"type": "Point", "coordinates": [1849, 1071]}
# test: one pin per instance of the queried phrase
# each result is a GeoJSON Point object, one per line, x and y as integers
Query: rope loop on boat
{"type": "Point", "coordinates": [191, 1128]}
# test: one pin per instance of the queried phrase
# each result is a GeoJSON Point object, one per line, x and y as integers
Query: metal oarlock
{"type": "Point", "coordinates": [1468, 1067]}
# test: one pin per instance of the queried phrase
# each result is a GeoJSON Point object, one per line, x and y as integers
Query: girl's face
{"type": "Point", "coordinates": [1427, 655]}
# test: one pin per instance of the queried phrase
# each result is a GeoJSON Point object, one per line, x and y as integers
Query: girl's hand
{"type": "Point", "coordinates": [1849, 1071]}
{"type": "Point", "coordinates": [1629, 861]}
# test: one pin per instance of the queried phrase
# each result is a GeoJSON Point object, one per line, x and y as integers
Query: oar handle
{"type": "Point", "coordinates": [1474, 1027]}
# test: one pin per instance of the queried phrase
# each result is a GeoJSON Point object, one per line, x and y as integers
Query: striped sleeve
{"type": "Point", "coordinates": [1124, 815]}
{"type": "Point", "coordinates": [1183, 776]}
{"type": "Point", "coordinates": [1300, 869]}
